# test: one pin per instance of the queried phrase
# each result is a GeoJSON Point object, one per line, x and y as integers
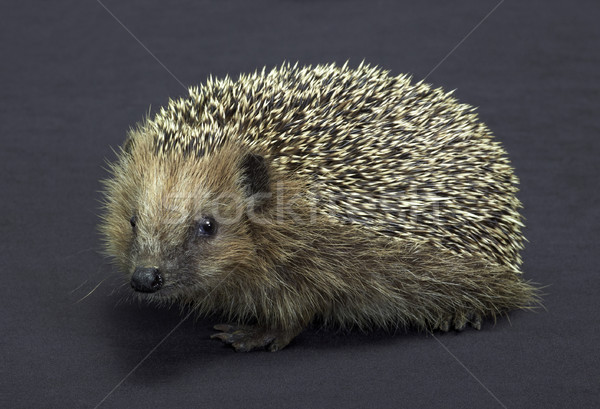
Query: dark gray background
{"type": "Point", "coordinates": [73, 81]}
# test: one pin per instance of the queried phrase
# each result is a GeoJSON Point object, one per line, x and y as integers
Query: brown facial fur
{"type": "Point", "coordinates": [370, 201]}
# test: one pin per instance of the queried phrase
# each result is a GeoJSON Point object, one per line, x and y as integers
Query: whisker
{"type": "Point", "coordinates": [90, 293]}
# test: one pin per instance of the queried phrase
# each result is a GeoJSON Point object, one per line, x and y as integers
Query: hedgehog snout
{"type": "Point", "coordinates": [146, 279]}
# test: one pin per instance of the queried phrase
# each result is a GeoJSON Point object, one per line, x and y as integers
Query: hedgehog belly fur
{"type": "Point", "coordinates": [344, 195]}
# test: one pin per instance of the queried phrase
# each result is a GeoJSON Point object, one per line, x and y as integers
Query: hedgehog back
{"type": "Point", "coordinates": [400, 158]}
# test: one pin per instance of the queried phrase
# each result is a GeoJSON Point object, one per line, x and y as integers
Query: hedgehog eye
{"type": "Point", "coordinates": [133, 221]}
{"type": "Point", "coordinates": [206, 227]}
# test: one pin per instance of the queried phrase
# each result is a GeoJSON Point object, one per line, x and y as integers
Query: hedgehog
{"type": "Point", "coordinates": [325, 195]}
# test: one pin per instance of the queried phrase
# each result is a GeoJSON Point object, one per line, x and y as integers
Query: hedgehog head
{"type": "Point", "coordinates": [176, 222]}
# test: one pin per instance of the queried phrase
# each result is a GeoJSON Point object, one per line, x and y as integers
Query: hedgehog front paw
{"type": "Point", "coordinates": [245, 338]}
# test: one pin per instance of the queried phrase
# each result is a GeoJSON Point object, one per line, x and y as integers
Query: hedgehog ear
{"type": "Point", "coordinates": [255, 177]}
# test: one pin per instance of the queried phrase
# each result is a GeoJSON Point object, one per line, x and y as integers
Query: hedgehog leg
{"type": "Point", "coordinates": [244, 338]}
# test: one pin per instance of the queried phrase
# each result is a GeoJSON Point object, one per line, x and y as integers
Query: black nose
{"type": "Point", "coordinates": [146, 279]}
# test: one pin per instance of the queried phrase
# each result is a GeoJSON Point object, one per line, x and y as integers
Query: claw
{"type": "Point", "coordinates": [475, 321]}
{"type": "Point", "coordinates": [460, 323]}
{"type": "Point", "coordinates": [225, 337]}
{"type": "Point", "coordinates": [445, 326]}
{"type": "Point", "coordinates": [224, 327]}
